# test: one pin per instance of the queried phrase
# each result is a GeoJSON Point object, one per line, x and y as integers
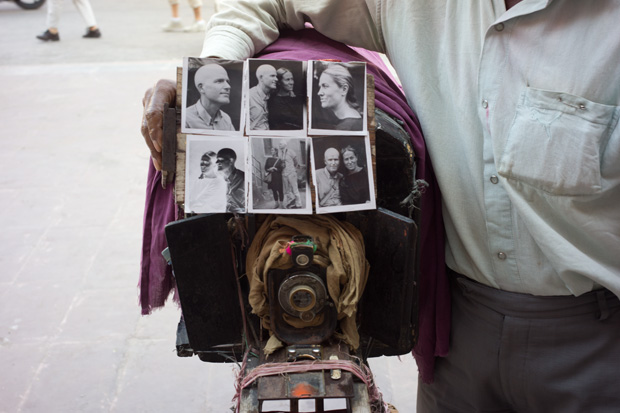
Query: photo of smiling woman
{"type": "Point", "coordinates": [212, 96]}
{"type": "Point", "coordinates": [354, 187]}
{"type": "Point", "coordinates": [209, 188]}
{"type": "Point", "coordinates": [338, 98]}
{"type": "Point", "coordinates": [286, 107]}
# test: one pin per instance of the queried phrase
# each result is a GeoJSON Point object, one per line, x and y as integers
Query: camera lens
{"type": "Point", "coordinates": [302, 295]}
{"type": "Point", "coordinates": [302, 298]}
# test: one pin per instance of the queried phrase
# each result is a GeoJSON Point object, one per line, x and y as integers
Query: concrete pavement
{"type": "Point", "coordinates": [72, 174]}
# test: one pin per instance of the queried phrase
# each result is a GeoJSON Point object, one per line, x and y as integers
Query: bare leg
{"type": "Point", "coordinates": [197, 13]}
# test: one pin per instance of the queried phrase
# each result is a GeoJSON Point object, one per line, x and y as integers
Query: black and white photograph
{"type": "Point", "coordinates": [276, 97]}
{"type": "Point", "coordinates": [337, 98]}
{"type": "Point", "coordinates": [279, 169]}
{"type": "Point", "coordinates": [212, 101]}
{"type": "Point", "coordinates": [342, 174]}
{"type": "Point", "coordinates": [215, 174]}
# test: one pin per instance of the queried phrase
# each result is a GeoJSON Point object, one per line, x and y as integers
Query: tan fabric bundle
{"type": "Point", "coordinates": [340, 249]}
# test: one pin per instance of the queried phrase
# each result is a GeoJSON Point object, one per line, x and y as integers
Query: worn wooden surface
{"type": "Point", "coordinates": [179, 183]}
{"type": "Point", "coordinates": [169, 145]}
{"type": "Point", "coordinates": [372, 125]}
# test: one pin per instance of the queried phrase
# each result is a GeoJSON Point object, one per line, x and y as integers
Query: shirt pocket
{"type": "Point", "coordinates": [556, 142]}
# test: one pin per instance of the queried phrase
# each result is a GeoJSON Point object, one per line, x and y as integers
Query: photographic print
{"type": "Point", "coordinates": [215, 177]}
{"type": "Point", "coordinates": [276, 97]}
{"type": "Point", "coordinates": [342, 174]}
{"type": "Point", "coordinates": [279, 173]}
{"type": "Point", "coordinates": [337, 98]}
{"type": "Point", "coordinates": [212, 101]}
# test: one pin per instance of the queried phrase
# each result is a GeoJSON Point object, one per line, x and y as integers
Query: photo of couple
{"type": "Point", "coordinates": [215, 175]}
{"type": "Point", "coordinates": [342, 174]}
{"type": "Point", "coordinates": [276, 97]}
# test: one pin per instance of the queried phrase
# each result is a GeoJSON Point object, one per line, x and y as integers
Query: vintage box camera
{"type": "Point", "coordinates": [214, 292]}
{"type": "Point", "coordinates": [300, 308]}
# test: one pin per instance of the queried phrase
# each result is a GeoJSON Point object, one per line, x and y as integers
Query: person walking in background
{"type": "Point", "coordinates": [176, 25]}
{"type": "Point", "coordinates": [53, 16]}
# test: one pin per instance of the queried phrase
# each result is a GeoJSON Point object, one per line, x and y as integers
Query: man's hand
{"type": "Point", "coordinates": [153, 116]}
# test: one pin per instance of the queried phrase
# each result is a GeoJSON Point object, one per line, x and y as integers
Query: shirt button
{"type": "Point", "coordinates": [485, 103]}
{"type": "Point", "coordinates": [499, 27]}
{"type": "Point", "coordinates": [494, 179]}
{"type": "Point", "coordinates": [501, 256]}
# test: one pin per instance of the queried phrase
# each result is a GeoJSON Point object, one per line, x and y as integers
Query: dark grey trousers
{"type": "Point", "coordinates": [514, 352]}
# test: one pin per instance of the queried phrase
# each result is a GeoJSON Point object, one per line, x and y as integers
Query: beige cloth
{"type": "Point", "coordinates": [340, 250]}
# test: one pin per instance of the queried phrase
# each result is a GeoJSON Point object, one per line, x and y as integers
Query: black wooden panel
{"type": "Point", "coordinates": [203, 266]}
{"type": "Point", "coordinates": [395, 162]}
{"type": "Point", "coordinates": [389, 304]}
{"type": "Point", "coordinates": [169, 140]}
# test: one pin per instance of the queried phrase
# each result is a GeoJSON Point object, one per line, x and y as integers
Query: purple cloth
{"type": "Point", "coordinates": [434, 298]}
{"type": "Point", "coordinates": [156, 279]}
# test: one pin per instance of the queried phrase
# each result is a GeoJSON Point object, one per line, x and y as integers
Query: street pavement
{"type": "Point", "coordinates": [72, 183]}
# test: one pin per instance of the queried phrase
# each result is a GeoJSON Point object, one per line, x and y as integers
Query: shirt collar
{"type": "Point", "coordinates": [204, 115]}
{"type": "Point", "coordinates": [522, 8]}
{"type": "Point", "coordinates": [260, 93]}
{"type": "Point", "coordinates": [233, 175]}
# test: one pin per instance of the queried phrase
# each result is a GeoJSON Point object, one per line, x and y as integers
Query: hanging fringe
{"type": "Point", "coordinates": [419, 187]}
{"type": "Point", "coordinates": [238, 230]}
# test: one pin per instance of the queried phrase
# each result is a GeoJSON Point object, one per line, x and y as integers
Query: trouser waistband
{"type": "Point", "coordinates": [597, 302]}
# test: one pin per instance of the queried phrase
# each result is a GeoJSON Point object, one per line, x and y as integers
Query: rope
{"type": "Point", "coordinates": [361, 371]}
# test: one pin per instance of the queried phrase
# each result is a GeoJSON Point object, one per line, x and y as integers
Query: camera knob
{"type": "Point", "coordinates": [307, 316]}
{"type": "Point", "coordinates": [302, 260]}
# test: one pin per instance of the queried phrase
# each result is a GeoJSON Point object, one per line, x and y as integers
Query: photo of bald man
{"type": "Point", "coordinates": [212, 100]}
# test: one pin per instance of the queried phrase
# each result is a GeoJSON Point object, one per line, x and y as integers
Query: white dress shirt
{"type": "Point", "coordinates": [519, 109]}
